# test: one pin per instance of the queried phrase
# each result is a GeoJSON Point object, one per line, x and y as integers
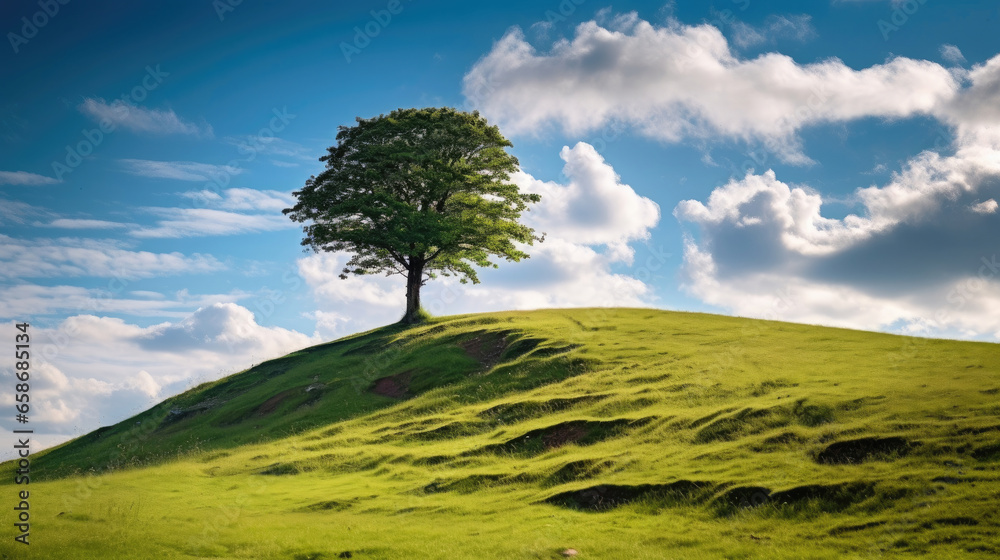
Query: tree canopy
{"type": "Point", "coordinates": [417, 192]}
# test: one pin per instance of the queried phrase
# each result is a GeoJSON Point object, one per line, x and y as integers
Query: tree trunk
{"type": "Point", "coordinates": [414, 277]}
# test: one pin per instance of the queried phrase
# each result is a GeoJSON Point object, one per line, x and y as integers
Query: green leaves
{"type": "Point", "coordinates": [425, 188]}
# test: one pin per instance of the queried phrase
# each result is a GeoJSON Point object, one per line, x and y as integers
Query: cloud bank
{"type": "Point", "coordinates": [678, 82]}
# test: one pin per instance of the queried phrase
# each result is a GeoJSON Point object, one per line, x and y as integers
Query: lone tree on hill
{"type": "Point", "coordinates": [417, 192]}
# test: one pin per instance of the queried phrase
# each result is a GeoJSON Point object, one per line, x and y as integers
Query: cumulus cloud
{"type": "Point", "coordinates": [975, 111]}
{"type": "Point", "coordinates": [756, 233]}
{"type": "Point", "coordinates": [914, 259]}
{"type": "Point", "coordinates": [590, 221]}
{"type": "Point", "coordinates": [139, 119]}
{"type": "Point", "coordinates": [664, 82]}
{"type": "Point", "coordinates": [25, 178]}
{"type": "Point", "coordinates": [93, 370]}
{"type": "Point", "coordinates": [594, 208]}
{"type": "Point", "coordinates": [221, 328]}
{"type": "Point", "coordinates": [917, 257]}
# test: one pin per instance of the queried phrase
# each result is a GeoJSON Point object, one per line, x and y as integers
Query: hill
{"type": "Point", "coordinates": [618, 433]}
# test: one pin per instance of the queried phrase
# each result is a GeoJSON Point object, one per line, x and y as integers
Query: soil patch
{"type": "Point", "coordinates": [563, 434]}
{"type": "Point", "coordinates": [271, 404]}
{"type": "Point", "coordinates": [485, 348]}
{"type": "Point", "coordinates": [394, 386]}
{"type": "Point", "coordinates": [177, 414]}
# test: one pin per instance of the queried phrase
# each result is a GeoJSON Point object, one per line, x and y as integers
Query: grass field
{"type": "Point", "coordinates": [619, 433]}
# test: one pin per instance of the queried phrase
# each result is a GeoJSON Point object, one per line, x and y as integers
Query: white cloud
{"type": "Point", "coordinates": [757, 233]}
{"type": "Point", "coordinates": [952, 54]}
{"type": "Point", "coordinates": [15, 212]}
{"type": "Point", "coordinates": [252, 146]}
{"type": "Point", "coordinates": [917, 257]}
{"type": "Point", "coordinates": [243, 199]}
{"type": "Point", "coordinates": [229, 212]}
{"type": "Point", "coordinates": [189, 222]}
{"type": "Point", "coordinates": [139, 119]}
{"type": "Point", "coordinates": [594, 207]}
{"type": "Point", "coordinates": [64, 256]}
{"type": "Point", "coordinates": [69, 223]}
{"type": "Point", "coordinates": [589, 221]}
{"type": "Point", "coordinates": [798, 27]}
{"type": "Point", "coordinates": [985, 207]}
{"type": "Point", "coordinates": [95, 371]}
{"type": "Point", "coordinates": [976, 110]}
{"type": "Point", "coordinates": [221, 328]}
{"type": "Point", "coordinates": [22, 300]}
{"type": "Point", "coordinates": [179, 170]}
{"type": "Point", "coordinates": [25, 178]}
{"type": "Point", "coordinates": [665, 83]}
{"type": "Point", "coordinates": [966, 306]}
{"type": "Point", "coordinates": [792, 214]}
{"type": "Point", "coordinates": [321, 272]}
{"type": "Point", "coordinates": [913, 259]}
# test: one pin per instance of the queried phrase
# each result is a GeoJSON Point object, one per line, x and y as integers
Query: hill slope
{"type": "Point", "coordinates": [621, 433]}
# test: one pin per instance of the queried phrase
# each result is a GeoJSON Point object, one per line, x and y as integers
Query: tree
{"type": "Point", "coordinates": [417, 192]}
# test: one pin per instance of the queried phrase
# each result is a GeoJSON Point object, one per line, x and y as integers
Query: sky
{"type": "Point", "coordinates": [832, 163]}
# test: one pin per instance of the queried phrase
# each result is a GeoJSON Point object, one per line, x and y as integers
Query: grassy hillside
{"type": "Point", "coordinates": [619, 433]}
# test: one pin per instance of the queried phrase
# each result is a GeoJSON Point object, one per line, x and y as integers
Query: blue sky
{"type": "Point", "coordinates": [829, 163]}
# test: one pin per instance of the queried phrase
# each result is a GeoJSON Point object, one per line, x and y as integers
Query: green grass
{"type": "Point", "coordinates": [621, 433]}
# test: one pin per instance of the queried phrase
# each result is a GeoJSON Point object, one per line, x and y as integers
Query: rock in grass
{"type": "Point", "coordinates": [570, 552]}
